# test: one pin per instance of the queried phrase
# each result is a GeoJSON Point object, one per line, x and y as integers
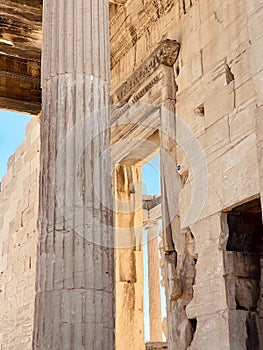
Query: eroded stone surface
{"type": "Point", "coordinates": [215, 88]}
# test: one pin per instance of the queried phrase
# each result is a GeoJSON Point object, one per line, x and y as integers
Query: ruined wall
{"type": "Point", "coordinates": [214, 72]}
{"type": "Point", "coordinates": [18, 242]}
{"type": "Point", "coordinates": [219, 99]}
{"type": "Point", "coordinates": [217, 75]}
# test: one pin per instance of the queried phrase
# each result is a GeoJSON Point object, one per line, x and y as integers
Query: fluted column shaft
{"type": "Point", "coordinates": [152, 228]}
{"type": "Point", "coordinates": [75, 263]}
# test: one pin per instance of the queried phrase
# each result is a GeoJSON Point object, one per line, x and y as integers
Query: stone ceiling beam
{"type": "Point", "coordinates": [20, 84]}
{"type": "Point", "coordinates": [20, 55]}
{"type": "Point", "coordinates": [21, 28]}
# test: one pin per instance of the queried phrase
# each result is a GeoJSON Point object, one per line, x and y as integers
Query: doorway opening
{"type": "Point", "coordinates": [154, 293]}
{"type": "Point", "coordinates": [245, 259]}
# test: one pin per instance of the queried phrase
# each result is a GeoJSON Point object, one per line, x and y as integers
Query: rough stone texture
{"type": "Point", "coordinates": [18, 242]}
{"type": "Point", "coordinates": [219, 98]}
{"type": "Point", "coordinates": [209, 304]}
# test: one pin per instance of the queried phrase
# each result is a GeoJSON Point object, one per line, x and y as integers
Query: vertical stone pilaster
{"type": "Point", "coordinates": [75, 263]}
{"type": "Point", "coordinates": [129, 258]}
{"type": "Point", "coordinates": [171, 186]}
{"type": "Point", "coordinates": [152, 229]}
{"type": "Point", "coordinates": [179, 262]}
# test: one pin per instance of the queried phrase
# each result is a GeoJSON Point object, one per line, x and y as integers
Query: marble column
{"type": "Point", "coordinates": [154, 285]}
{"type": "Point", "coordinates": [129, 258]}
{"type": "Point", "coordinates": [75, 264]}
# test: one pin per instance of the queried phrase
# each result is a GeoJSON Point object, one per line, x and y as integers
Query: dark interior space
{"type": "Point", "coordinates": [245, 244]}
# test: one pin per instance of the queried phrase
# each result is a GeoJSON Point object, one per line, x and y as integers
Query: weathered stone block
{"type": "Point", "coordinates": [10, 288]}
{"type": "Point", "coordinates": [197, 66]}
{"type": "Point", "coordinates": [232, 11]}
{"type": "Point", "coordinates": [211, 28]}
{"type": "Point", "coordinates": [239, 181]}
{"type": "Point", "coordinates": [212, 332]}
{"type": "Point", "coordinates": [219, 104]}
{"type": "Point", "coordinates": [215, 137]}
{"type": "Point", "coordinates": [242, 264]}
{"type": "Point", "coordinates": [245, 93]}
{"type": "Point", "coordinates": [242, 121]}
{"type": "Point", "coordinates": [215, 51]}
{"type": "Point", "coordinates": [247, 293]}
{"type": "Point", "coordinates": [208, 298]}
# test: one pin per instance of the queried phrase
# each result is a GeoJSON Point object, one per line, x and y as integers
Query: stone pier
{"type": "Point", "coordinates": [129, 258]}
{"type": "Point", "coordinates": [152, 229]}
{"type": "Point", "coordinates": [75, 303]}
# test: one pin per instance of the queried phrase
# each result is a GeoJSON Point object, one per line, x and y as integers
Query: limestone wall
{"type": "Point", "coordinates": [217, 65]}
{"type": "Point", "coordinates": [219, 77]}
{"type": "Point", "coordinates": [218, 61]}
{"type": "Point", "coordinates": [18, 242]}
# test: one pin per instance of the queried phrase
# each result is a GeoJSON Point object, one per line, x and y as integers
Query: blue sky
{"type": "Point", "coordinates": [12, 134]}
{"type": "Point", "coordinates": [151, 176]}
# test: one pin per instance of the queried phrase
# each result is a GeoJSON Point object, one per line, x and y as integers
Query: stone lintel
{"type": "Point", "coordinates": [165, 54]}
{"type": "Point", "coordinates": [152, 210]}
{"type": "Point", "coordinates": [20, 84]}
{"type": "Point", "coordinates": [151, 201]}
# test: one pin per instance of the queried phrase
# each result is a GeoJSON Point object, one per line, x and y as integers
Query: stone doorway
{"type": "Point", "coordinates": [137, 260]}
